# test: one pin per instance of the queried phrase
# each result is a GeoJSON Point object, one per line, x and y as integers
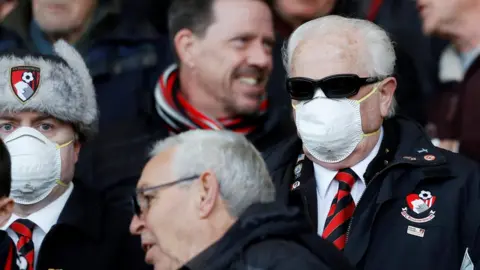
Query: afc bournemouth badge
{"type": "Point", "coordinates": [295, 185]}
{"type": "Point", "coordinates": [24, 81]}
{"type": "Point", "coordinates": [419, 205]}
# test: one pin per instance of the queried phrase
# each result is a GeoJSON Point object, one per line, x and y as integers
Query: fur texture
{"type": "Point", "coordinates": [65, 92]}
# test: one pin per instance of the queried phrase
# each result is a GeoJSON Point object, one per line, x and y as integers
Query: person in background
{"type": "Point", "coordinates": [229, 219]}
{"type": "Point", "coordinates": [47, 111]}
{"type": "Point", "coordinates": [371, 182]}
{"type": "Point", "coordinates": [292, 14]}
{"type": "Point", "coordinates": [454, 115]}
{"type": "Point", "coordinates": [223, 62]}
{"type": "Point", "coordinates": [124, 55]}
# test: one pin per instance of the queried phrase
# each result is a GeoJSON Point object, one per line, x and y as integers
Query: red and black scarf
{"type": "Point", "coordinates": [181, 116]}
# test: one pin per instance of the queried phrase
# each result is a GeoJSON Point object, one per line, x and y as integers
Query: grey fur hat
{"type": "Point", "coordinates": [58, 85]}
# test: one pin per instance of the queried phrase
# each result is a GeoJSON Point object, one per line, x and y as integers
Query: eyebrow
{"type": "Point", "coordinates": [35, 119]}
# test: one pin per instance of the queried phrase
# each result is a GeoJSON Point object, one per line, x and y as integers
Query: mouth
{"type": "Point", "coordinates": [258, 81]}
{"type": "Point", "coordinates": [146, 247]}
{"type": "Point", "coordinates": [420, 7]}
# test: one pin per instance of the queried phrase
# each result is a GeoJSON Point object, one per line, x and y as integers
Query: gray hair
{"type": "Point", "coordinates": [378, 57]}
{"type": "Point", "coordinates": [240, 169]}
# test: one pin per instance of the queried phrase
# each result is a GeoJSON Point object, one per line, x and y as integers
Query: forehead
{"type": "Point", "coordinates": [320, 57]}
{"type": "Point", "coordinates": [26, 116]}
{"type": "Point", "coordinates": [158, 169]}
{"type": "Point", "coordinates": [233, 16]}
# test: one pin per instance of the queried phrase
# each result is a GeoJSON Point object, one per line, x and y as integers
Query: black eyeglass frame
{"type": "Point", "coordinates": [356, 83]}
{"type": "Point", "coordinates": [140, 191]}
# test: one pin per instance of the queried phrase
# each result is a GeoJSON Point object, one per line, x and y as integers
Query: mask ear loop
{"type": "Point", "coordinates": [58, 181]}
{"type": "Point", "coordinates": [375, 88]}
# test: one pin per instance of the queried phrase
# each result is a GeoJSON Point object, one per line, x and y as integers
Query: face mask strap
{"type": "Point", "coordinates": [371, 133]}
{"type": "Point", "coordinates": [60, 183]}
{"type": "Point", "coordinates": [63, 145]}
{"type": "Point", "coordinates": [369, 94]}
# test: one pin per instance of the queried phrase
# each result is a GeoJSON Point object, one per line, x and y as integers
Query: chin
{"type": "Point", "coordinates": [430, 28]}
{"type": "Point", "coordinates": [248, 109]}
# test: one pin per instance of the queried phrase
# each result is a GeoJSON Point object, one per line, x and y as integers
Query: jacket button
{"type": "Point", "coordinates": [385, 162]}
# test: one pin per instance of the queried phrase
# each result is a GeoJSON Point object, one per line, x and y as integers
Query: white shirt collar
{"type": "Point", "coordinates": [46, 217]}
{"type": "Point", "coordinates": [324, 177]}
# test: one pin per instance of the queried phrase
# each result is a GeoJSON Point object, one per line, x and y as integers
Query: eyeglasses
{"type": "Point", "coordinates": [141, 201]}
{"type": "Point", "coordinates": [336, 86]}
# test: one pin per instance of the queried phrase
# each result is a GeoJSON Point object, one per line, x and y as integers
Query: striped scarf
{"type": "Point", "coordinates": [181, 116]}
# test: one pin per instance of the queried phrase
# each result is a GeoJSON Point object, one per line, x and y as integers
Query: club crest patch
{"type": "Point", "coordinates": [24, 81]}
{"type": "Point", "coordinates": [419, 206]}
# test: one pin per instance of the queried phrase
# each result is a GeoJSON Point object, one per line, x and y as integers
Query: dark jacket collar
{"type": "Point", "coordinates": [415, 155]}
{"type": "Point", "coordinates": [259, 221]}
{"type": "Point", "coordinates": [83, 211]}
{"type": "Point", "coordinates": [474, 67]}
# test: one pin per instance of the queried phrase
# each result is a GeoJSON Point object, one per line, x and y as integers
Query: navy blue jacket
{"type": "Point", "coordinates": [386, 232]}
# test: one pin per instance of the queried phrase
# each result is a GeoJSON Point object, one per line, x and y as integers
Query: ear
{"type": "Point", "coordinates": [76, 149]}
{"type": "Point", "coordinates": [183, 40]}
{"type": "Point", "coordinates": [209, 192]}
{"type": "Point", "coordinates": [6, 209]}
{"type": "Point", "coordinates": [387, 90]}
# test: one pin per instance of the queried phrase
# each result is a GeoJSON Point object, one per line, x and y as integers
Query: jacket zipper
{"type": "Point", "coordinates": [361, 196]}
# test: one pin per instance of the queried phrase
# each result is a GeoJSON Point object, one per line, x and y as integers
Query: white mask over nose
{"type": "Point", "coordinates": [36, 165]}
{"type": "Point", "coordinates": [330, 129]}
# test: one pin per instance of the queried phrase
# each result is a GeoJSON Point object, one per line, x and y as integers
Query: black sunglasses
{"type": "Point", "coordinates": [142, 202]}
{"type": "Point", "coordinates": [336, 86]}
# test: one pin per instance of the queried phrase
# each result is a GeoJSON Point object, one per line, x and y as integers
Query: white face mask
{"type": "Point", "coordinates": [330, 129]}
{"type": "Point", "coordinates": [36, 165]}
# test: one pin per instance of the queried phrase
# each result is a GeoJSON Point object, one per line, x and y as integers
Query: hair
{"type": "Point", "coordinates": [240, 169]}
{"type": "Point", "coordinates": [5, 171]}
{"type": "Point", "coordinates": [376, 52]}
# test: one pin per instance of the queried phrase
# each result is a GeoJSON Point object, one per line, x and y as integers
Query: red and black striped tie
{"type": "Point", "coordinates": [341, 211]}
{"type": "Point", "coordinates": [24, 229]}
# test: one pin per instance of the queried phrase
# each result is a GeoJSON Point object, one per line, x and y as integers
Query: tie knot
{"type": "Point", "coordinates": [23, 227]}
{"type": "Point", "coordinates": [347, 177]}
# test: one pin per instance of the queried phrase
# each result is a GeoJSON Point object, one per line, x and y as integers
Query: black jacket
{"type": "Point", "coordinates": [385, 232]}
{"type": "Point", "coordinates": [269, 236]}
{"type": "Point", "coordinates": [89, 234]}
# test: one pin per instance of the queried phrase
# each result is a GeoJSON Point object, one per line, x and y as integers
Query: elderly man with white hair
{"type": "Point", "coordinates": [205, 201]}
{"type": "Point", "coordinates": [372, 182]}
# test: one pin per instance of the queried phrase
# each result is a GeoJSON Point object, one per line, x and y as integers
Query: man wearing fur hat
{"type": "Point", "coordinates": [47, 110]}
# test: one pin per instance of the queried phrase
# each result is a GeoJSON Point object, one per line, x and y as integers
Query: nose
{"type": "Point", "coordinates": [137, 225]}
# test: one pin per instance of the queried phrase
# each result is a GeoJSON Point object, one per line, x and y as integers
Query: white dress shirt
{"type": "Point", "coordinates": [327, 188]}
{"type": "Point", "coordinates": [44, 219]}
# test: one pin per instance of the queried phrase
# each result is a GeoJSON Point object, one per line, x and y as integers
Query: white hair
{"type": "Point", "coordinates": [240, 169]}
{"type": "Point", "coordinates": [378, 55]}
